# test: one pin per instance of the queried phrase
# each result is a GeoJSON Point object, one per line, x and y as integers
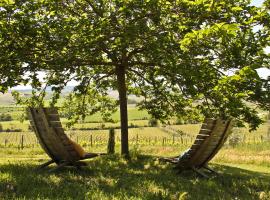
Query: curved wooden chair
{"type": "Point", "coordinates": [213, 134]}
{"type": "Point", "coordinates": [52, 138]}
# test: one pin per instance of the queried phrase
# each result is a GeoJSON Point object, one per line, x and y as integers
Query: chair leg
{"type": "Point", "coordinates": [199, 172]}
{"type": "Point", "coordinates": [46, 164]}
{"type": "Point", "coordinates": [61, 165]}
{"type": "Point", "coordinates": [79, 164]}
{"type": "Point", "coordinates": [209, 169]}
{"type": "Point", "coordinates": [170, 160]}
{"type": "Point", "coordinates": [90, 155]}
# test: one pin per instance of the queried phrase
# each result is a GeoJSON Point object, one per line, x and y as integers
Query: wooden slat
{"type": "Point", "coordinates": [202, 136]}
{"type": "Point", "coordinates": [60, 130]}
{"type": "Point", "coordinates": [66, 142]}
{"type": "Point", "coordinates": [65, 139]}
{"type": "Point", "coordinates": [209, 121]}
{"type": "Point", "coordinates": [205, 131]}
{"type": "Point", "coordinates": [205, 145]}
{"type": "Point", "coordinates": [54, 142]}
{"type": "Point", "coordinates": [32, 115]}
{"type": "Point", "coordinates": [210, 144]}
{"type": "Point", "coordinates": [51, 111]}
{"type": "Point", "coordinates": [69, 147]}
{"type": "Point", "coordinates": [56, 124]}
{"type": "Point", "coordinates": [210, 138]}
{"type": "Point", "coordinates": [53, 118]}
{"type": "Point", "coordinates": [51, 135]}
{"type": "Point", "coordinates": [199, 141]}
{"type": "Point", "coordinates": [208, 124]}
{"type": "Point", "coordinates": [195, 146]}
{"type": "Point", "coordinates": [74, 154]}
{"type": "Point", "coordinates": [222, 141]}
{"type": "Point", "coordinates": [48, 135]}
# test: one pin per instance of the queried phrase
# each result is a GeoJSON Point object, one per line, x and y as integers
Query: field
{"type": "Point", "coordinates": [243, 164]}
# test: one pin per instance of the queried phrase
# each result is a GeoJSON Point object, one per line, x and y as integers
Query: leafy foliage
{"type": "Point", "coordinates": [176, 55]}
{"type": "Point", "coordinates": [87, 103]}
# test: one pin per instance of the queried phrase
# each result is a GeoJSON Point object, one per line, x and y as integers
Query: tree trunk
{"type": "Point", "coordinates": [122, 90]}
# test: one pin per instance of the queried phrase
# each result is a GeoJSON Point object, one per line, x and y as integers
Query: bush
{"type": "Point", "coordinates": [132, 101]}
{"type": "Point", "coordinates": [179, 121]}
{"type": "Point", "coordinates": [102, 126]}
{"type": "Point", "coordinates": [153, 122]}
{"type": "Point", "coordinates": [235, 139]}
{"type": "Point", "coordinates": [30, 128]}
{"type": "Point", "coordinates": [5, 117]}
{"type": "Point", "coordinates": [133, 125]}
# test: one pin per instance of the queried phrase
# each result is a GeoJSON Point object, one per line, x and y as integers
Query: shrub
{"type": "Point", "coordinates": [102, 126]}
{"type": "Point", "coordinates": [235, 138]}
{"type": "Point", "coordinates": [179, 121]}
{"type": "Point", "coordinates": [5, 117]}
{"type": "Point", "coordinates": [132, 101]}
{"type": "Point", "coordinates": [30, 128]}
{"type": "Point", "coordinates": [153, 122]}
{"type": "Point", "coordinates": [132, 125]}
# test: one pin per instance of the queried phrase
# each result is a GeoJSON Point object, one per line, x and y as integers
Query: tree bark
{"type": "Point", "coordinates": [122, 90]}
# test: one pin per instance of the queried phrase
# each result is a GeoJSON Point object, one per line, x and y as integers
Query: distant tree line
{"type": "Point", "coordinates": [5, 117]}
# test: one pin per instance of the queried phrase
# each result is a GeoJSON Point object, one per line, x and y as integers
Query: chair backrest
{"type": "Point", "coordinates": [212, 136]}
{"type": "Point", "coordinates": [50, 133]}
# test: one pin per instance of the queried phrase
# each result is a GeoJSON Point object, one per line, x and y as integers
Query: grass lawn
{"type": "Point", "coordinates": [136, 117]}
{"type": "Point", "coordinates": [244, 168]}
{"type": "Point", "coordinates": [111, 177]}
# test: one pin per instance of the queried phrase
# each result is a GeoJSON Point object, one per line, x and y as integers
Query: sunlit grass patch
{"type": "Point", "coordinates": [112, 177]}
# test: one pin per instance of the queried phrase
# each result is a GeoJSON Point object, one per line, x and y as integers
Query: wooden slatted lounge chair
{"type": "Point", "coordinates": [212, 136]}
{"type": "Point", "coordinates": [52, 138]}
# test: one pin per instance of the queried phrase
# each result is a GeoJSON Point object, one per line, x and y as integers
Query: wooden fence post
{"type": "Point", "coordinates": [163, 141]}
{"type": "Point", "coordinates": [111, 142]}
{"type": "Point", "coordinates": [22, 142]}
{"type": "Point", "coordinates": [91, 140]}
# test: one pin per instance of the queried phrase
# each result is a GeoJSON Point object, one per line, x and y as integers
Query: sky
{"type": "Point", "coordinates": [263, 72]}
{"type": "Point", "coordinates": [257, 2]}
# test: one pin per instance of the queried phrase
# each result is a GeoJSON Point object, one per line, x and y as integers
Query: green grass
{"type": "Point", "coordinates": [136, 117]}
{"type": "Point", "coordinates": [15, 111]}
{"type": "Point", "coordinates": [133, 114]}
{"type": "Point", "coordinates": [244, 174]}
{"type": "Point", "coordinates": [111, 177]}
{"type": "Point", "coordinates": [6, 99]}
{"type": "Point", "coordinates": [244, 167]}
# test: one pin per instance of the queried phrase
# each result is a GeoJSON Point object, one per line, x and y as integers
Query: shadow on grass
{"type": "Point", "coordinates": [142, 178]}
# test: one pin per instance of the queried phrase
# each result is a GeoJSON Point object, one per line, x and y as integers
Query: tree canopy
{"type": "Point", "coordinates": [183, 57]}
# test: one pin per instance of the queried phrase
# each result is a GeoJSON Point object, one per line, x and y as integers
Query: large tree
{"type": "Point", "coordinates": [174, 54]}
